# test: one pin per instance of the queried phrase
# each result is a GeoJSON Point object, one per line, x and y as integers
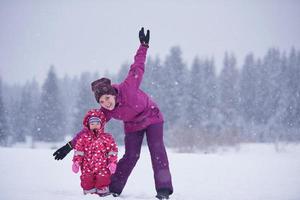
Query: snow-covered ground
{"type": "Point", "coordinates": [255, 172]}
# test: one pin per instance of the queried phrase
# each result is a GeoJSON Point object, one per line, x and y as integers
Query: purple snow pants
{"type": "Point", "coordinates": [160, 164]}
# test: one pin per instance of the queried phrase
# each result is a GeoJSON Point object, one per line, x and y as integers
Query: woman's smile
{"type": "Point", "coordinates": [108, 101]}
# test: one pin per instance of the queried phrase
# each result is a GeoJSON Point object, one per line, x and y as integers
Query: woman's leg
{"type": "Point", "coordinates": [133, 143]}
{"type": "Point", "coordinates": [159, 158]}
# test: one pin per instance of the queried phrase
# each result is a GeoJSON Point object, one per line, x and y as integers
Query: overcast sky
{"type": "Point", "coordinates": [100, 35]}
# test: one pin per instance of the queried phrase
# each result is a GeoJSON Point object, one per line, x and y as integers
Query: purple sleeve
{"type": "Point", "coordinates": [77, 136]}
{"type": "Point", "coordinates": [136, 71]}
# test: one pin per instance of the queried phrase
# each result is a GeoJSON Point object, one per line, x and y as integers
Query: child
{"type": "Point", "coordinates": [95, 154]}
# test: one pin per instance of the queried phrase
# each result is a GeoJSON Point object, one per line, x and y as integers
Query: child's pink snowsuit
{"type": "Point", "coordinates": [94, 151]}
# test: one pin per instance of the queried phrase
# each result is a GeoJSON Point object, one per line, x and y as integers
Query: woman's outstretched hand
{"type": "Point", "coordinates": [144, 39]}
{"type": "Point", "coordinates": [63, 151]}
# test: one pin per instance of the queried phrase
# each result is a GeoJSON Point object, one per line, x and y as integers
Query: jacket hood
{"type": "Point", "coordinates": [95, 113]}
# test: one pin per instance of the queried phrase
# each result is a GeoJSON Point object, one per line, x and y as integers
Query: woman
{"type": "Point", "coordinates": [127, 102]}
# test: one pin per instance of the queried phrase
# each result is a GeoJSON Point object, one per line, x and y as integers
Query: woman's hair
{"type": "Point", "coordinates": [102, 86]}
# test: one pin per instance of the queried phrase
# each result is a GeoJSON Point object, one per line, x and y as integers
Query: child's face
{"type": "Point", "coordinates": [94, 125]}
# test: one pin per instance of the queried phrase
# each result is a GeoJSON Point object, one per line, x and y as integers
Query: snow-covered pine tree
{"type": "Point", "coordinates": [195, 90]}
{"type": "Point", "coordinates": [191, 125]}
{"type": "Point", "coordinates": [85, 100]}
{"type": "Point", "coordinates": [229, 100]}
{"type": "Point", "coordinates": [173, 94]}
{"type": "Point", "coordinates": [11, 101]}
{"type": "Point", "coordinates": [249, 87]}
{"type": "Point", "coordinates": [212, 120]}
{"type": "Point", "coordinates": [229, 95]}
{"type": "Point", "coordinates": [50, 119]}
{"type": "Point", "coordinates": [4, 132]}
{"type": "Point", "coordinates": [201, 93]}
{"type": "Point", "coordinates": [211, 113]}
{"type": "Point", "coordinates": [269, 103]}
{"type": "Point", "coordinates": [175, 89]}
{"type": "Point", "coordinates": [69, 93]}
{"type": "Point", "coordinates": [25, 111]}
{"type": "Point", "coordinates": [276, 123]}
{"type": "Point", "coordinates": [292, 116]}
{"type": "Point", "coordinates": [153, 79]}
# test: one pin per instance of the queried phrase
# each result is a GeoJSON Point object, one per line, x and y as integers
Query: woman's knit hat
{"type": "Point", "coordinates": [102, 86]}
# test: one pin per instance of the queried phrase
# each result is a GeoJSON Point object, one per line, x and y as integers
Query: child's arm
{"type": "Point", "coordinates": [78, 153]}
{"type": "Point", "coordinates": [112, 155]}
{"type": "Point", "coordinates": [79, 150]}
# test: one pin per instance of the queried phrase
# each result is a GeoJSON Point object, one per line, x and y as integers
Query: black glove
{"type": "Point", "coordinates": [60, 153]}
{"type": "Point", "coordinates": [144, 39]}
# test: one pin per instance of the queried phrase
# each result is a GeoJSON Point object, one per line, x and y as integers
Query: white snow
{"type": "Point", "coordinates": [255, 172]}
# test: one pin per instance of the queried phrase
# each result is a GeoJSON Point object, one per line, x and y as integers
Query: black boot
{"type": "Point", "coordinates": [163, 194]}
{"type": "Point", "coordinates": [115, 194]}
{"type": "Point", "coordinates": [162, 197]}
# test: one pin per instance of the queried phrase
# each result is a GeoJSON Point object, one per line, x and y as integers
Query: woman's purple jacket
{"type": "Point", "coordinates": [134, 107]}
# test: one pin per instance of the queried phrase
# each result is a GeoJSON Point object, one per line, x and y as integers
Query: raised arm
{"type": "Point", "coordinates": [136, 71]}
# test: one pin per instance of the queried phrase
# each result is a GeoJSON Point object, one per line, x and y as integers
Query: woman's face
{"type": "Point", "coordinates": [108, 101]}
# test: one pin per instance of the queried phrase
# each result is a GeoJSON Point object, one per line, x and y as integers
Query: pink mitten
{"type": "Point", "coordinates": [112, 167]}
{"type": "Point", "coordinates": [75, 167]}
